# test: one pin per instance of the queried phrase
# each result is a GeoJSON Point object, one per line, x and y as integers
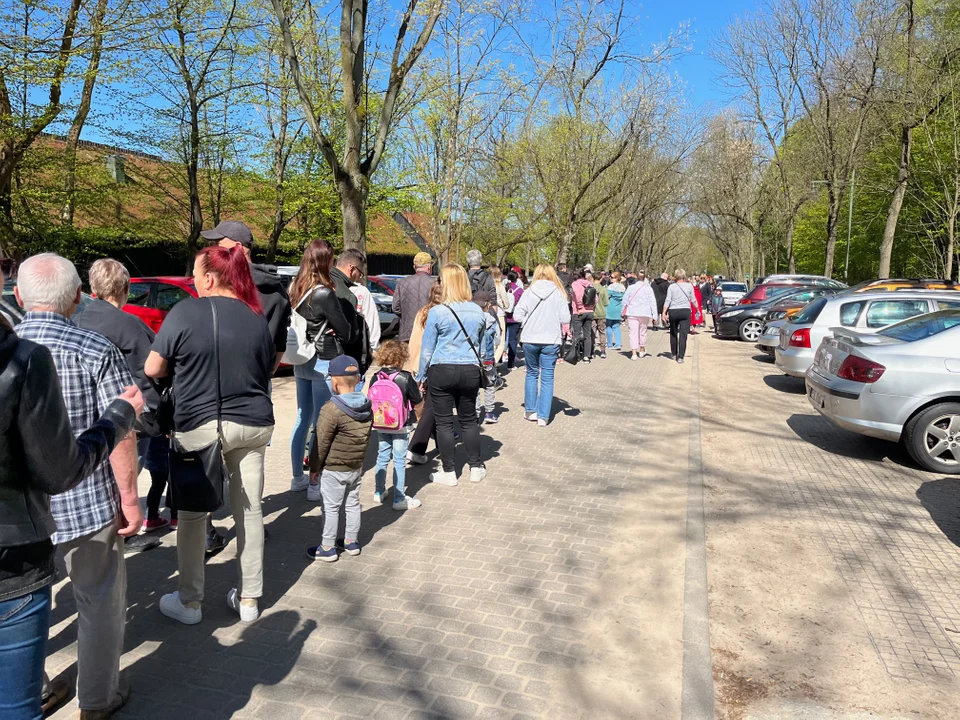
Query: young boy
{"type": "Point", "coordinates": [343, 432]}
{"type": "Point", "coordinates": [488, 344]}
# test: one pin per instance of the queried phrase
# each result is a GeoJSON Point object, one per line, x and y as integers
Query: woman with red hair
{"type": "Point", "coordinates": [219, 344]}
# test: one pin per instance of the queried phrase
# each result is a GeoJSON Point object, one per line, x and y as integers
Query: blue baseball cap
{"type": "Point", "coordinates": [343, 366]}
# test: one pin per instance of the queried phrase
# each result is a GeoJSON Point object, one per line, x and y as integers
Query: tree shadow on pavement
{"type": "Point", "coordinates": [941, 498]}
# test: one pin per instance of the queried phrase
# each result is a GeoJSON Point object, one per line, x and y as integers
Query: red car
{"type": "Point", "coordinates": [767, 291]}
{"type": "Point", "coordinates": [151, 298]}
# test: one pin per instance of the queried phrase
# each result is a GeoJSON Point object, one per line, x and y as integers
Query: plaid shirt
{"type": "Point", "coordinates": [92, 373]}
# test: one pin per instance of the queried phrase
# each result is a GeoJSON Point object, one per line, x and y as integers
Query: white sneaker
{"type": "Point", "coordinates": [248, 613]}
{"type": "Point", "coordinates": [444, 478]}
{"type": "Point", "coordinates": [644, 354]}
{"type": "Point", "coordinates": [416, 458]}
{"type": "Point", "coordinates": [408, 503]}
{"type": "Point", "coordinates": [377, 497]}
{"type": "Point", "coordinates": [541, 422]}
{"type": "Point", "coordinates": [313, 492]}
{"type": "Point", "coordinates": [299, 484]}
{"type": "Point", "coordinates": [532, 417]}
{"type": "Point", "coordinates": [171, 606]}
{"type": "Point", "coordinates": [478, 473]}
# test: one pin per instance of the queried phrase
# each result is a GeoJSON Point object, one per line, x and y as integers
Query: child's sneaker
{"type": "Point", "coordinates": [351, 548]}
{"type": "Point", "coordinates": [491, 419]}
{"type": "Point", "coordinates": [299, 484]}
{"type": "Point", "coordinates": [378, 497]}
{"type": "Point", "coordinates": [321, 553]}
{"type": "Point", "coordinates": [408, 503]}
{"type": "Point", "coordinates": [313, 492]}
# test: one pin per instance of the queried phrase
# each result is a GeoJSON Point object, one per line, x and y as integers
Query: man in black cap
{"type": "Point", "coordinates": [273, 296]}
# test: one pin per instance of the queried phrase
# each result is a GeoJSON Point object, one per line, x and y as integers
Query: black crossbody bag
{"type": "Point", "coordinates": [197, 476]}
{"type": "Point", "coordinates": [485, 380]}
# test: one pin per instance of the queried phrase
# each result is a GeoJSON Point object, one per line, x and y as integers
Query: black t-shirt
{"type": "Point", "coordinates": [247, 356]}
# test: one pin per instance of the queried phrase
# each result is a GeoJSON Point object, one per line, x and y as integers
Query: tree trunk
{"type": "Point", "coordinates": [279, 223]}
{"type": "Point", "coordinates": [896, 202]}
{"type": "Point", "coordinates": [951, 236]}
{"type": "Point", "coordinates": [566, 242]}
{"type": "Point", "coordinates": [86, 95]}
{"type": "Point", "coordinates": [193, 186]}
{"type": "Point", "coordinates": [353, 206]}
{"type": "Point", "coordinates": [791, 262]}
{"type": "Point", "coordinates": [832, 215]}
{"type": "Point", "coordinates": [8, 236]}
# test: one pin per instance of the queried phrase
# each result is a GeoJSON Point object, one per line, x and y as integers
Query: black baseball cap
{"type": "Point", "coordinates": [231, 230]}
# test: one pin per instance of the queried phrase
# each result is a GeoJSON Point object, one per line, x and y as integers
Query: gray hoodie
{"type": "Point", "coordinates": [542, 311]}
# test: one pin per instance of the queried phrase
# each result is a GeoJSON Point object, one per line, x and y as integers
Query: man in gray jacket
{"type": "Point", "coordinates": [412, 294]}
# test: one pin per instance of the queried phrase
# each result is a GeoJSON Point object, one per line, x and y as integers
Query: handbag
{"type": "Point", "coordinates": [197, 476]}
{"type": "Point", "coordinates": [484, 378]}
{"type": "Point", "coordinates": [571, 349]}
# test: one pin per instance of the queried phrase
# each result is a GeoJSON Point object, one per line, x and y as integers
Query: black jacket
{"type": "Point", "coordinates": [482, 280]}
{"type": "Point", "coordinates": [275, 301]}
{"type": "Point", "coordinates": [39, 457]}
{"type": "Point", "coordinates": [323, 312]}
{"type": "Point", "coordinates": [358, 347]}
{"type": "Point", "coordinates": [660, 287]}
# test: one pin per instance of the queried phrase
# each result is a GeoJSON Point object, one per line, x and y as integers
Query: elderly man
{"type": "Point", "coordinates": [479, 278]}
{"type": "Point", "coordinates": [94, 517]}
{"type": "Point", "coordinates": [412, 294]}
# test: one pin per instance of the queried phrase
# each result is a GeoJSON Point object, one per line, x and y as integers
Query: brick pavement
{"type": "Point", "coordinates": [833, 559]}
{"type": "Point", "coordinates": [552, 588]}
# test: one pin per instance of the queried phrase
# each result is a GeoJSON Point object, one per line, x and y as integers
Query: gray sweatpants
{"type": "Point", "coordinates": [335, 486]}
{"type": "Point", "coordinates": [98, 577]}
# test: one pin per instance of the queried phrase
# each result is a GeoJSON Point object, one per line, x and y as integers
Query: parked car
{"type": "Point", "coordinates": [383, 284]}
{"type": "Point", "coordinates": [770, 337]}
{"type": "Point", "coordinates": [731, 292]}
{"type": "Point", "coordinates": [771, 291]}
{"type": "Point", "coordinates": [785, 279]}
{"type": "Point", "coordinates": [746, 321]}
{"type": "Point", "coordinates": [904, 285]}
{"type": "Point", "coordinates": [900, 383]}
{"type": "Point", "coordinates": [865, 311]}
{"type": "Point", "coordinates": [14, 313]}
{"type": "Point", "coordinates": [152, 298]}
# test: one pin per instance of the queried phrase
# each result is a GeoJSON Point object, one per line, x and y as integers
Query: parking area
{"type": "Point", "coordinates": [834, 562]}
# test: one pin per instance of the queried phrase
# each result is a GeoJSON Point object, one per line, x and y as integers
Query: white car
{"type": "Point", "coordinates": [732, 292]}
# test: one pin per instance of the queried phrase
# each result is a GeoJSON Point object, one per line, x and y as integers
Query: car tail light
{"type": "Point", "coordinates": [800, 338]}
{"type": "Point", "coordinates": [860, 369]}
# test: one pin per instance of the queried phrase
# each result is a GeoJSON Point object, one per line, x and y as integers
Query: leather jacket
{"type": "Point", "coordinates": [39, 457]}
{"type": "Point", "coordinates": [323, 312]}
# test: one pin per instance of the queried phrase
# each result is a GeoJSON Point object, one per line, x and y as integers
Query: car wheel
{"type": "Point", "coordinates": [750, 330]}
{"type": "Point", "coordinates": [932, 438]}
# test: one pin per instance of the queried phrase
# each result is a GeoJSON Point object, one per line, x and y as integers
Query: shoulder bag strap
{"type": "Point", "coordinates": [534, 310]}
{"type": "Point", "coordinates": [216, 360]}
{"type": "Point", "coordinates": [466, 335]}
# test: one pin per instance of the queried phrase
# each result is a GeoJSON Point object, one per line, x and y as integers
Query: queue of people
{"type": "Point", "coordinates": [200, 392]}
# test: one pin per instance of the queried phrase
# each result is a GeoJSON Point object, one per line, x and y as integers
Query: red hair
{"type": "Point", "coordinates": [232, 270]}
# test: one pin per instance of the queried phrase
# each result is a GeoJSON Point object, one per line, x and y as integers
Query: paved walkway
{"type": "Point", "coordinates": [552, 589]}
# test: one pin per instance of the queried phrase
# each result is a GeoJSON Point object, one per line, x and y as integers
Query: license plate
{"type": "Point", "coordinates": [816, 397]}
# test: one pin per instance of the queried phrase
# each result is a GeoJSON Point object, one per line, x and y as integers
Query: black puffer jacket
{"type": "Point", "coordinates": [39, 457]}
{"type": "Point", "coordinates": [324, 313]}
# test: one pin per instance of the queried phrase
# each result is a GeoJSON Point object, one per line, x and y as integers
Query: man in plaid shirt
{"type": "Point", "coordinates": [94, 517]}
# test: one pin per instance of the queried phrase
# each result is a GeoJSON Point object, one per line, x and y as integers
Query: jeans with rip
{"type": "Point", "coordinates": [313, 390]}
{"type": "Point", "coordinates": [541, 361]}
{"type": "Point", "coordinates": [395, 444]}
{"type": "Point", "coordinates": [24, 624]}
{"type": "Point", "coordinates": [613, 334]}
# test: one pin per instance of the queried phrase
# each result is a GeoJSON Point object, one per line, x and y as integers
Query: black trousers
{"type": "Point", "coordinates": [456, 387]}
{"type": "Point", "coordinates": [426, 427]}
{"type": "Point", "coordinates": [582, 327]}
{"type": "Point", "coordinates": [679, 329]}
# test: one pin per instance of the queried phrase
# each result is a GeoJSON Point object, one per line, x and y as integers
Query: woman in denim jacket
{"type": "Point", "coordinates": [450, 357]}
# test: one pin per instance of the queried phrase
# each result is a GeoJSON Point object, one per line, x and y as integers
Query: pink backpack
{"type": "Point", "coordinates": [390, 408]}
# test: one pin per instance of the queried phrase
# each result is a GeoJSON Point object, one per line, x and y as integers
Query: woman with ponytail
{"type": "Point", "coordinates": [187, 348]}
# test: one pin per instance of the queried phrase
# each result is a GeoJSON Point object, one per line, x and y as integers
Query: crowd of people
{"type": "Point", "coordinates": [87, 405]}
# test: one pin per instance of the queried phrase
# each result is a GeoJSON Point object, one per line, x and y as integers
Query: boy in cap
{"type": "Point", "coordinates": [488, 344]}
{"type": "Point", "coordinates": [343, 433]}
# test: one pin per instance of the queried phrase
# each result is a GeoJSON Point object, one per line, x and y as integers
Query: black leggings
{"type": "Point", "coordinates": [456, 387]}
{"type": "Point", "coordinates": [679, 329]}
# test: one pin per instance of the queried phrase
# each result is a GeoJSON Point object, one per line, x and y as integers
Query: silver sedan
{"type": "Point", "coordinates": [901, 383]}
{"type": "Point", "coordinates": [770, 337]}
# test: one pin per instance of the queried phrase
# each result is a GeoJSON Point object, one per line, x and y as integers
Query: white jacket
{"type": "Point", "coordinates": [542, 312]}
{"type": "Point", "coordinates": [639, 301]}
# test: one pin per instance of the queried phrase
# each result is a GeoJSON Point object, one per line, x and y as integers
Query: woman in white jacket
{"type": "Point", "coordinates": [543, 312]}
{"type": "Point", "coordinates": [639, 310]}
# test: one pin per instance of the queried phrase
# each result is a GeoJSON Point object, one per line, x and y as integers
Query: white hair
{"type": "Point", "coordinates": [48, 281]}
{"type": "Point", "coordinates": [474, 258]}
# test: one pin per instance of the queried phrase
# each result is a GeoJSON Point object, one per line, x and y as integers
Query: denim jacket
{"type": "Point", "coordinates": [443, 340]}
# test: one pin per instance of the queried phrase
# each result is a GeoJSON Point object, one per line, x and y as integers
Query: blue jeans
{"type": "Point", "coordinates": [24, 623]}
{"type": "Point", "coordinates": [512, 347]}
{"type": "Point", "coordinates": [541, 361]}
{"type": "Point", "coordinates": [397, 444]}
{"type": "Point", "coordinates": [313, 390]}
{"type": "Point", "coordinates": [613, 334]}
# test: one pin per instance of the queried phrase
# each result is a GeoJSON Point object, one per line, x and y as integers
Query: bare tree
{"type": "Point", "coordinates": [360, 157]}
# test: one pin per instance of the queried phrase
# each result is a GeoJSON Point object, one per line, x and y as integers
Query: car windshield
{"type": "Point", "coordinates": [733, 287]}
{"type": "Point", "coordinates": [389, 282]}
{"type": "Point", "coordinates": [811, 312]}
{"type": "Point", "coordinates": [922, 326]}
